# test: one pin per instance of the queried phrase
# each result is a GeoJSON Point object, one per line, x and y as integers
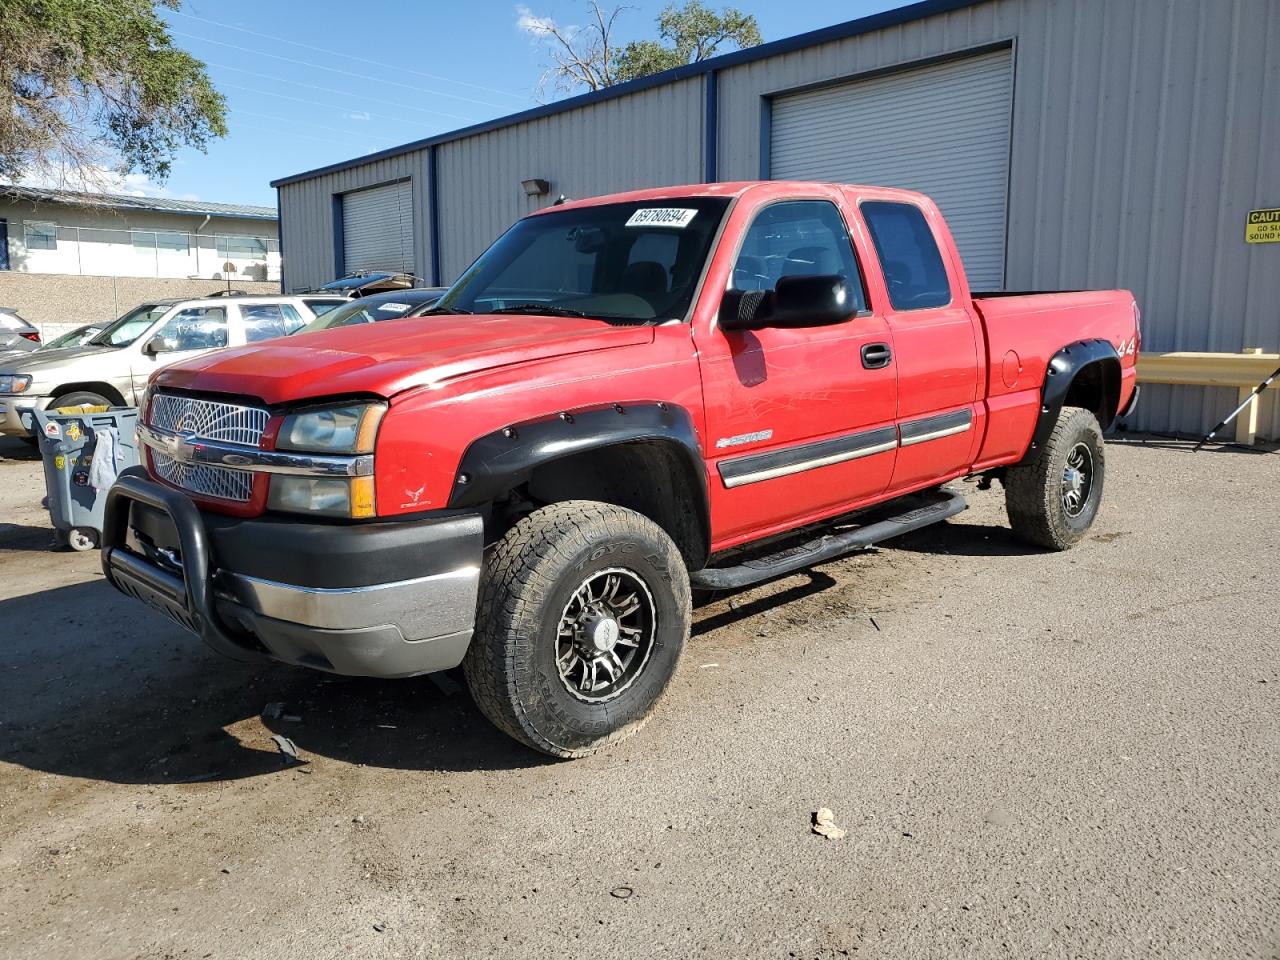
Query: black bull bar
{"type": "Point", "coordinates": [188, 600]}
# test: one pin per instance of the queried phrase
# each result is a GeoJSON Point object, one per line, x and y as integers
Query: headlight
{"type": "Point", "coordinates": [14, 382]}
{"type": "Point", "coordinates": [324, 496]}
{"type": "Point", "coordinates": [350, 428]}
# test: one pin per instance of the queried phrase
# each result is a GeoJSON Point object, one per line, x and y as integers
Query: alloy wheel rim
{"type": "Point", "coordinates": [1077, 480]}
{"type": "Point", "coordinates": [605, 634]}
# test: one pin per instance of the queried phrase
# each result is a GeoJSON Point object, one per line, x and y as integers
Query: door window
{"type": "Point", "coordinates": [909, 255]}
{"type": "Point", "coordinates": [798, 238]}
{"type": "Point", "coordinates": [292, 319]}
{"type": "Point", "coordinates": [263, 321]}
{"type": "Point", "coordinates": [196, 328]}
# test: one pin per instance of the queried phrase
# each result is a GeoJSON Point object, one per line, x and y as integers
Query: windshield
{"type": "Point", "coordinates": [71, 339]}
{"type": "Point", "coordinates": [122, 332]}
{"type": "Point", "coordinates": [346, 283]}
{"type": "Point", "coordinates": [633, 262]}
{"type": "Point", "coordinates": [368, 311]}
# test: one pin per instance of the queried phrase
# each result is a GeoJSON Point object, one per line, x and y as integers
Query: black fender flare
{"type": "Point", "coordinates": [1064, 366]}
{"type": "Point", "coordinates": [498, 462]}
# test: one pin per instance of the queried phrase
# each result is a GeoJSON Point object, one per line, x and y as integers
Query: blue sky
{"type": "Point", "coordinates": [311, 82]}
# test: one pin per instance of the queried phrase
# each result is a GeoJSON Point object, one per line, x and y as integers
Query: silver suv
{"type": "Point", "coordinates": [113, 367]}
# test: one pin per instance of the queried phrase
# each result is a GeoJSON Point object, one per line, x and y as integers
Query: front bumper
{"type": "Point", "coordinates": [16, 419]}
{"type": "Point", "coordinates": [368, 599]}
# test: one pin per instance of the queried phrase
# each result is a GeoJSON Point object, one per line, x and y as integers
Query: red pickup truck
{"type": "Point", "coordinates": [623, 400]}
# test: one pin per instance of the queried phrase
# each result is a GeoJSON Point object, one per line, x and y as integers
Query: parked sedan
{"type": "Point", "coordinates": [16, 333]}
{"type": "Point", "coordinates": [381, 306]}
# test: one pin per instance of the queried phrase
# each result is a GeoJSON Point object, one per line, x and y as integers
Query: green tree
{"type": "Point", "coordinates": [589, 55]}
{"type": "Point", "coordinates": [88, 87]}
{"type": "Point", "coordinates": [691, 33]}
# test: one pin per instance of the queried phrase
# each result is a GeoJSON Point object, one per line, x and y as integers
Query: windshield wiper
{"type": "Point", "coordinates": [545, 308]}
{"type": "Point", "coordinates": [443, 311]}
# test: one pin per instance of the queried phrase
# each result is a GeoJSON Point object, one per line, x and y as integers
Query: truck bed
{"type": "Point", "coordinates": [1023, 332]}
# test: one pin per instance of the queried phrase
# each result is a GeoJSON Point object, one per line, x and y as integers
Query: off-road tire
{"type": "Point", "coordinates": [78, 397]}
{"type": "Point", "coordinates": [529, 576]}
{"type": "Point", "coordinates": [1034, 491]}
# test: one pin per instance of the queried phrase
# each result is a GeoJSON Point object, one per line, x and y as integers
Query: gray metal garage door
{"type": "Point", "coordinates": [377, 228]}
{"type": "Point", "coordinates": [943, 130]}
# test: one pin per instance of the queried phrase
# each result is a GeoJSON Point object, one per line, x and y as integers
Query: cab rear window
{"type": "Point", "coordinates": [909, 256]}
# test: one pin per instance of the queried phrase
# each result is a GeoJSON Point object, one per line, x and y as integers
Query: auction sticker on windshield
{"type": "Point", "coordinates": [678, 217]}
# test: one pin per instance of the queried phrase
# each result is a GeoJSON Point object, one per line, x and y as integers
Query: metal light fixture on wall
{"type": "Point", "coordinates": [536, 187]}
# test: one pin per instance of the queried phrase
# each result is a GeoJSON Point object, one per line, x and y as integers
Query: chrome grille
{"type": "Point", "coordinates": [206, 420]}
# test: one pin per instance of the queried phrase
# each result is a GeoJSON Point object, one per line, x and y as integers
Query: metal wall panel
{"type": "Point", "coordinates": [307, 217]}
{"type": "Point", "coordinates": [647, 139]}
{"type": "Point", "coordinates": [1143, 133]}
{"type": "Point", "coordinates": [942, 129]}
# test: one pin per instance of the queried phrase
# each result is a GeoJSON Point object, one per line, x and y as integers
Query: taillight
{"type": "Point", "coordinates": [33, 337]}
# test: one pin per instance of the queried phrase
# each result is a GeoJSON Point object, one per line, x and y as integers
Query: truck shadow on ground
{"type": "Point", "coordinates": [97, 687]}
{"type": "Point", "coordinates": [964, 539]}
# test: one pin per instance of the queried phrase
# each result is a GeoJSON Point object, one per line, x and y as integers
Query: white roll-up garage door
{"type": "Point", "coordinates": [377, 228]}
{"type": "Point", "coordinates": [941, 129]}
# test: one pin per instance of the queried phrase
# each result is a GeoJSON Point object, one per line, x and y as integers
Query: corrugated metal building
{"type": "Point", "coordinates": [1071, 143]}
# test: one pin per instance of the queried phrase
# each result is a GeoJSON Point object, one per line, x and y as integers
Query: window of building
{"type": "Point", "coordinates": [40, 235]}
{"type": "Point", "coordinates": [909, 255]}
{"type": "Point", "coordinates": [173, 242]}
{"type": "Point", "coordinates": [242, 248]}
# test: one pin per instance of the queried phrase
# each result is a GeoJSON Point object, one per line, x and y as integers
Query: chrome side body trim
{"type": "Point", "coordinates": [936, 427]}
{"type": "Point", "coordinates": [189, 449]}
{"type": "Point", "coordinates": [809, 456]}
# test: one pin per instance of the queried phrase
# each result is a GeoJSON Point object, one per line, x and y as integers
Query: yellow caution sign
{"type": "Point", "coordinates": [1263, 226]}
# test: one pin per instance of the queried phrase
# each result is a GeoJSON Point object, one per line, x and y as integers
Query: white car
{"type": "Point", "coordinates": [112, 368]}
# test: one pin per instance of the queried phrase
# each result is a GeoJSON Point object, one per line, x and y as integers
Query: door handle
{"type": "Point", "coordinates": [876, 355]}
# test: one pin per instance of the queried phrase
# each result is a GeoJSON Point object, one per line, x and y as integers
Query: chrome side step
{"type": "Point", "coordinates": [924, 509]}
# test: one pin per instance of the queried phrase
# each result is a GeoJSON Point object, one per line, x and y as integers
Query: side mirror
{"type": "Point", "coordinates": [797, 302]}
{"type": "Point", "coordinates": [157, 344]}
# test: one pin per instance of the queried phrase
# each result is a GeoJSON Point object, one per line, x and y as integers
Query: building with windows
{"type": "Point", "coordinates": [1070, 144]}
{"type": "Point", "coordinates": [70, 258]}
{"type": "Point", "coordinates": [105, 235]}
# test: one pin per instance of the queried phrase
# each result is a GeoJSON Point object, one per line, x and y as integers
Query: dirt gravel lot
{"type": "Point", "coordinates": [1034, 756]}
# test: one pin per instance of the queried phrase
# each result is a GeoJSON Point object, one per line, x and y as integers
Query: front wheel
{"type": "Point", "coordinates": [1053, 500]}
{"type": "Point", "coordinates": [584, 611]}
{"type": "Point", "coordinates": [79, 398]}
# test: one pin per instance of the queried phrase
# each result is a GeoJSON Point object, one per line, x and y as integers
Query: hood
{"type": "Point", "coordinates": [37, 362]}
{"type": "Point", "coordinates": [390, 357]}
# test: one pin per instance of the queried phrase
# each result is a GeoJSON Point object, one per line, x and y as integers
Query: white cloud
{"type": "Point", "coordinates": [529, 22]}
{"type": "Point", "coordinates": [359, 115]}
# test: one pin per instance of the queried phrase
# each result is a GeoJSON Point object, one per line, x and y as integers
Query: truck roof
{"type": "Point", "coordinates": [780, 188]}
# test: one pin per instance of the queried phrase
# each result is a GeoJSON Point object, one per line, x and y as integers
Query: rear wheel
{"type": "Point", "coordinates": [1053, 500]}
{"type": "Point", "coordinates": [584, 611]}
